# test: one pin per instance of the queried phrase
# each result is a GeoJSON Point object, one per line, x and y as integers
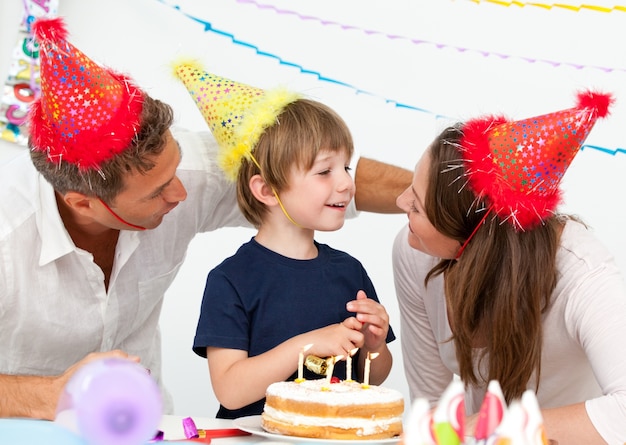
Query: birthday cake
{"type": "Point", "coordinates": [345, 410]}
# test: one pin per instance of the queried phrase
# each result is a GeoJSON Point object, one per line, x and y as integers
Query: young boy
{"type": "Point", "coordinates": [282, 290]}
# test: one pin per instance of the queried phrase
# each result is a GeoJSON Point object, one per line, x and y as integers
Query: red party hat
{"type": "Point", "coordinates": [517, 166]}
{"type": "Point", "coordinates": [86, 114]}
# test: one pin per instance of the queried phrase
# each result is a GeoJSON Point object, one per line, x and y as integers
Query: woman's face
{"type": "Point", "coordinates": [422, 234]}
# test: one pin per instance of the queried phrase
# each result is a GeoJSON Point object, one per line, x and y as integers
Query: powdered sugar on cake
{"type": "Point", "coordinates": [334, 393]}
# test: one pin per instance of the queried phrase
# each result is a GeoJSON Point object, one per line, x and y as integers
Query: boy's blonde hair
{"type": "Point", "coordinates": [302, 130]}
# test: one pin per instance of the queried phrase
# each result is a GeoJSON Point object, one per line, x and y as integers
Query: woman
{"type": "Point", "coordinates": [492, 283]}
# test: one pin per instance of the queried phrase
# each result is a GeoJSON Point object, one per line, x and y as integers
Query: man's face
{"type": "Point", "coordinates": [148, 197]}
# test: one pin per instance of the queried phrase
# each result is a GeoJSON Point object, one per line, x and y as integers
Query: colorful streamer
{"type": "Point", "coordinates": [208, 27]}
{"type": "Point", "coordinates": [605, 150]}
{"type": "Point", "coordinates": [460, 49]}
{"type": "Point", "coordinates": [550, 6]}
{"type": "Point", "coordinates": [22, 84]}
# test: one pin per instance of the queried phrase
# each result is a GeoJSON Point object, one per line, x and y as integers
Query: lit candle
{"type": "Point", "coordinates": [366, 376]}
{"type": "Point", "coordinates": [331, 366]}
{"type": "Point", "coordinates": [301, 363]}
{"type": "Point", "coordinates": [349, 364]}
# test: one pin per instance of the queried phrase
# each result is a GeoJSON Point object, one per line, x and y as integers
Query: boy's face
{"type": "Point", "coordinates": [317, 198]}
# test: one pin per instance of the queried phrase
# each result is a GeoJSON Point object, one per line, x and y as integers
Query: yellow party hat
{"type": "Point", "coordinates": [236, 113]}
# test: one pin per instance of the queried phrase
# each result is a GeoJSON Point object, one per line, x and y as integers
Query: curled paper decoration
{"type": "Point", "coordinates": [22, 84]}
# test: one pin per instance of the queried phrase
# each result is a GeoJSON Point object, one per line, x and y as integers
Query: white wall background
{"type": "Point", "coordinates": [396, 70]}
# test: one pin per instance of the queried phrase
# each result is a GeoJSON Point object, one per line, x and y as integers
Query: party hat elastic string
{"type": "Point", "coordinates": [472, 234]}
{"type": "Point", "coordinates": [119, 218]}
{"type": "Point", "coordinates": [280, 203]}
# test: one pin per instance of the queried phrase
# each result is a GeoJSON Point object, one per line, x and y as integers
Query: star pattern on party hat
{"type": "Point", "coordinates": [86, 113]}
{"type": "Point", "coordinates": [236, 113]}
{"type": "Point", "coordinates": [517, 166]}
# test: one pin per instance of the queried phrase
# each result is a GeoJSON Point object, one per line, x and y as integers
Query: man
{"type": "Point", "coordinates": [94, 228]}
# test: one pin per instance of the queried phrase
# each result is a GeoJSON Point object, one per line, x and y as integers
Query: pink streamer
{"type": "Point", "coordinates": [210, 28]}
{"type": "Point", "coordinates": [437, 45]}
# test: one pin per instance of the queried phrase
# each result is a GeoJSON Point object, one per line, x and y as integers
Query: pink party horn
{"type": "Point", "coordinates": [491, 412]}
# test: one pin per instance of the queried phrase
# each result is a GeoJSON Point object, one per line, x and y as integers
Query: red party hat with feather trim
{"type": "Point", "coordinates": [517, 166]}
{"type": "Point", "coordinates": [86, 113]}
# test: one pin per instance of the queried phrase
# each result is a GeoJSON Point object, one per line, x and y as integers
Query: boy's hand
{"type": "Point", "coordinates": [374, 319]}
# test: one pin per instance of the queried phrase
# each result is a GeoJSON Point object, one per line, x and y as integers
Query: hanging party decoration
{"type": "Point", "coordinates": [22, 84]}
{"type": "Point", "coordinates": [210, 27]}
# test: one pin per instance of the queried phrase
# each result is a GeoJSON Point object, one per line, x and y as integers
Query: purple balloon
{"type": "Point", "coordinates": [112, 401]}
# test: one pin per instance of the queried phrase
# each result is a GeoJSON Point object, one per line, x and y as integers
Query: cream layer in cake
{"type": "Point", "coordinates": [344, 410]}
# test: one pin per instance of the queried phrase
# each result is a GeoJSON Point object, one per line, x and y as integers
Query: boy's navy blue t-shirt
{"type": "Point", "coordinates": [257, 299]}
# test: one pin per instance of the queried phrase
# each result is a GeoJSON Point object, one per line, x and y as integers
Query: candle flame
{"type": "Point", "coordinates": [307, 347]}
{"type": "Point", "coordinates": [353, 351]}
{"type": "Point", "coordinates": [374, 355]}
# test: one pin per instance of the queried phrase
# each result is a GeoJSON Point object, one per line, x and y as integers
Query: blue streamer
{"type": "Point", "coordinates": [208, 27]}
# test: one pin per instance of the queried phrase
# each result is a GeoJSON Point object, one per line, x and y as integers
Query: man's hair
{"type": "Point", "coordinates": [301, 130]}
{"type": "Point", "coordinates": [107, 181]}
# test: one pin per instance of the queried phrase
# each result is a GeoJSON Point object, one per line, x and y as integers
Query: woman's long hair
{"type": "Point", "coordinates": [498, 290]}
